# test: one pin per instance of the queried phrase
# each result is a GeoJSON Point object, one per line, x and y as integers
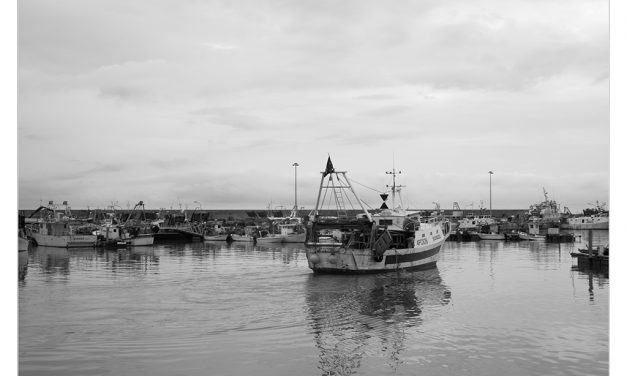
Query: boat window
{"type": "Point", "coordinates": [385, 221]}
{"type": "Point", "coordinates": [423, 235]}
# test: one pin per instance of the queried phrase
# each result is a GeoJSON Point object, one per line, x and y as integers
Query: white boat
{"type": "Point", "coordinates": [60, 234]}
{"type": "Point", "coordinates": [215, 232]}
{"type": "Point", "coordinates": [491, 236]}
{"type": "Point", "coordinates": [526, 236]}
{"type": "Point", "coordinates": [240, 238]}
{"type": "Point", "coordinates": [545, 214]}
{"type": "Point", "coordinates": [134, 232]}
{"type": "Point", "coordinates": [270, 238]}
{"type": "Point", "coordinates": [47, 227]}
{"type": "Point", "coordinates": [587, 223]}
{"type": "Point", "coordinates": [122, 235]}
{"type": "Point", "coordinates": [474, 222]}
{"type": "Point", "coordinates": [249, 234]}
{"type": "Point", "coordinates": [389, 240]}
{"type": "Point", "coordinates": [286, 229]}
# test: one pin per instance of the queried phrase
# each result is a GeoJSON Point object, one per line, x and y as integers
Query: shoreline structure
{"type": "Point", "coordinates": [241, 214]}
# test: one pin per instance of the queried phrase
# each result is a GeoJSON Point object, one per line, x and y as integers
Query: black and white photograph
{"type": "Point", "coordinates": [313, 187]}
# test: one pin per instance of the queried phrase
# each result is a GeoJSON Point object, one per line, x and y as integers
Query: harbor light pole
{"type": "Point", "coordinates": [295, 188]}
{"type": "Point", "coordinates": [491, 173]}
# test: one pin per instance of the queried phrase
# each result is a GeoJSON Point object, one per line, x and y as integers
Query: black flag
{"type": "Point", "coordinates": [329, 168]}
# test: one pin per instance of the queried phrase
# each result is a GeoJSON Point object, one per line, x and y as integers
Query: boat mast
{"type": "Point", "coordinates": [330, 170]}
{"type": "Point", "coordinates": [395, 188]}
{"type": "Point", "coordinates": [295, 210]}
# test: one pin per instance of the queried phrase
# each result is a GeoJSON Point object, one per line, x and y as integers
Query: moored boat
{"type": "Point", "coordinates": [135, 232]}
{"type": "Point", "coordinates": [388, 240]}
{"type": "Point", "coordinates": [48, 228]}
{"type": "Point", "coordinates": [544, 215]}
{"type": "Point", "coordinates": [60, 234]}
{"type": "Point", "coordinates": [597, 218]}
{"type": "Point", "coordinates": [596, 222]}
{"type": "Point", "coordinates": [248, 234]}
{"type": "Point", "coordinates": [526, 236]}
{"type": "Point", "coordinates": [270, 238]}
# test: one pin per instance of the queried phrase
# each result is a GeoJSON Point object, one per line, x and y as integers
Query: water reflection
{"type": "Point", "coordinates": [132, 259]}
{"type": "Point", "coordinates": [52, 260]}
{"type": "Point", "coordinates": [22, 265]}
{"type": "Point", "coordinates": [60, 261]}
{"type": "Point", "coordinates": [597, 279]}
{"type": "Point", "coordinates": [370, 315]}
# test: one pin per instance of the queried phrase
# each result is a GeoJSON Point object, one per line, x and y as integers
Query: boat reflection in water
{"type": "Point", "coordinates": [56, 262]}
{"type": "Point", "coordinates": [369, 316]}
{"type": "Point", "coordinates": [22, 265]}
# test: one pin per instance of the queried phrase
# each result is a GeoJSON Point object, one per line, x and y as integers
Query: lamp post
{"type": "Point", "coordinates": [491, 173]}
{"type": "Point", "coordinates": [295, 189]}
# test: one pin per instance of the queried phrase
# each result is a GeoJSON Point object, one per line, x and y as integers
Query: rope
{"type": "Point", "coordinates": [354, 181]}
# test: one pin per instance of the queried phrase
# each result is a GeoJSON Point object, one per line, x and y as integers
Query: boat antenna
{"type": "Point", "coordinates": [395, 188]}
{"type": "Point", "coordinates": [294, 213]}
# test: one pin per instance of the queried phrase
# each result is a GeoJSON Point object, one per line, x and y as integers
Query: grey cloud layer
{"type": "Point", "coordinates": [186, 85]}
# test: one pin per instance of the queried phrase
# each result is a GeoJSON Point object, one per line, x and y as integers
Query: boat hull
{"type": "Point", "coordinates": [240, 238]}
{"type": "Point", "coordinates": [64, 241]}
{"type": "Point", "coordinates": [586, 226]}
{"type": "Point", "coordinates": [141, 240]}
{"type": "Point", "coordinates": [491, 236]}
{"type": "Point", "coordinates": [340, 260]}
{"type": "Point", "coordinates": [215, 238]}
{"type": "Point", "coordinates": [270, 239]}
{"type": "Point", "coordinates": [524, 236]}
{"type": "Point", "coordinates": [295, 238]}
{"type": "Point", "coordinates": [22, 244]}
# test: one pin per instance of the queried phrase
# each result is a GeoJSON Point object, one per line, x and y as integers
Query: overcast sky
{"type": "Point", "coordinates": [213, 101]}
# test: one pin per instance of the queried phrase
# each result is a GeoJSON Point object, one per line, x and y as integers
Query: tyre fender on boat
{"type": "Point", "coordinates": [314, 259]}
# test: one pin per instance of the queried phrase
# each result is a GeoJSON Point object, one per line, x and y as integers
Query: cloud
{"type": "Point", "coordinates": [190, 93]}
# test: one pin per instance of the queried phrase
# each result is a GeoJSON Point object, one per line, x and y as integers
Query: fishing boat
{"type": "Point", "coordinates": [286, 229]}
{"type": "Point", "coordinates": [248, 234]}
{"type": "Point", "coordinates": [597, 218]}
{"type": "Point", "coordinates": [474, 222]}
{"type": "Point", "coordinates": [134, 232]}
{"type": "Point", "coordinates": [545, 214]}
{"type": "Point", "coordinates": [388, 240]}
{"type": "Point", "coordinates": [60, 234]}
{"type": "Point", "coordinates": [215, 231]}
{"type": "Point", "coordinates": [48, 228]}
{"type": "Point", "coordinates": [270, 238]}
{"type": "Point", "coordinates": [293, 232]}
{"type": "Point", "coordinates": [527, 236]}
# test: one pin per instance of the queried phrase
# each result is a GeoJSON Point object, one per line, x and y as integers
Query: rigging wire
{"type": "Point", "coordinates": [355, 181]}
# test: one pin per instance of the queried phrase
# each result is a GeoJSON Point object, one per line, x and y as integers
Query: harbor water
{"type": "Point", "coordinates": [489, 308]}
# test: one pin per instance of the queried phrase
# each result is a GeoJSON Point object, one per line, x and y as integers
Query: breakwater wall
{"type": "Point", "coordinates": [245, 214]}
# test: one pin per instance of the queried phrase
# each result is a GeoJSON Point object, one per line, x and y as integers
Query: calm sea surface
{"type": "Point", "coordinates": [489, 308]}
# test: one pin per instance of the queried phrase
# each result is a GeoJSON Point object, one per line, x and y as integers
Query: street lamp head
{"type": "Point", "coordinates": [490, 172]}
{"type": "Point", "coordinates": [295, 164]}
